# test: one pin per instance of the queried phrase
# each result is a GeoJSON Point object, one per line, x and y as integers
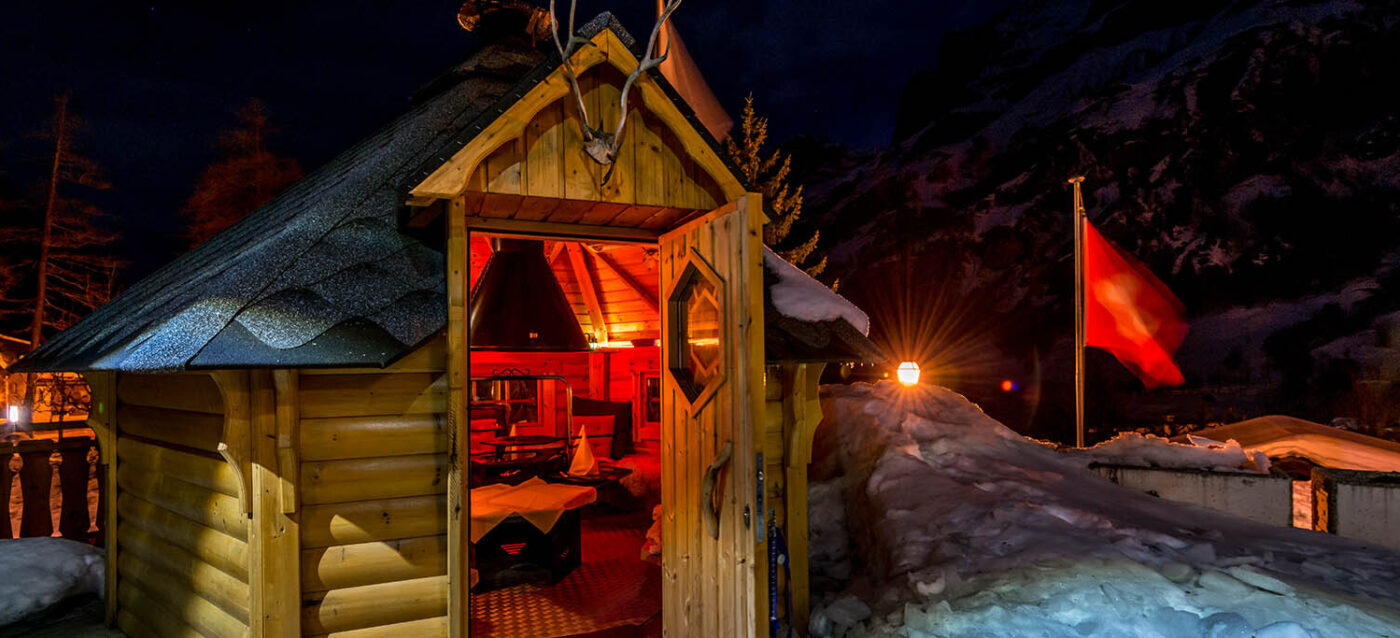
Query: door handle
{"type": "Point", "coordinates": [708, 508]}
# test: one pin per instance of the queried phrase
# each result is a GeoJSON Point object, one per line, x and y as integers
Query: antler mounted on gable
{"type": "Point", "coordinates": [600, 144]}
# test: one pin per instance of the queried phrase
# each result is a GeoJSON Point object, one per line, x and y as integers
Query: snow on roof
{"type": "Point", "coordinates": [956, 526]}
{"type": "Point", "coordinates": [799, 296]}
{"type": "Point", "coordinates": [1281, 436]}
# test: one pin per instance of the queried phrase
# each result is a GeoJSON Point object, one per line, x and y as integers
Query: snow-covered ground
{"type": "Point", "coordinates": [950, 524]}
{"type": "Point", "coordinates": [36, 573]}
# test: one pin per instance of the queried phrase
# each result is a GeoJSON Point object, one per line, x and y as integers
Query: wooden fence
{"type": "Point", "coordinates": [66, 450]}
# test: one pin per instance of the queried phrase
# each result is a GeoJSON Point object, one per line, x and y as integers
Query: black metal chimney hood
{"type": "Point", "coordinates": [518, 305]}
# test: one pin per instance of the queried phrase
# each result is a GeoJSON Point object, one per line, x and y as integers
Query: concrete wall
{"type": "Point", "coordinates": [1258, 497]}
{"type": "Point", "coordinates": [1360, 505]}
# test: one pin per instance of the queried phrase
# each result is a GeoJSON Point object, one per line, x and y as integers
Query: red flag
{"type": "Point", "coordinates": [1130, 313]}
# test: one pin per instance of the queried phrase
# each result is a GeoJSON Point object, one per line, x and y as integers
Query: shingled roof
{"type": "Point", "coordinates": [321, 276]}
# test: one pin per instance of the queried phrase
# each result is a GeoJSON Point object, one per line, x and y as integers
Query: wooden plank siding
{"type": "Point", "coordinates": [654, 179]}
{"type": "Point", "coordinates": [373, 481]}
{"type": "Point", "coordinates": [540, 132]}
{"type": "Point", "coordinates": [183, 564]}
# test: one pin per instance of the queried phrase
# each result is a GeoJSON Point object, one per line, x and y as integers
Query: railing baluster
{"type": "Point", "coordinates": [73, 474]}
{"type": "Point", "coordinates": [7, 453]}
{"type": "Point", "coordinates": [35, 483]}
{"type": "Point", "coordinates": [102, 503]}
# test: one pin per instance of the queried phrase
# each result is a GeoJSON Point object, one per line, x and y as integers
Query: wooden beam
{"type": "Point", "coordinates": [803, 413]}
{"type": "Point", "coordinates": [531, 229]}
{"type": "Point", "coordinates": [102, 418]}
{"type": "Point", "coordinates": [590, 292]}
{"type": "Point", "coordinates": [274, 536]}
{"type": "Point", "coordinates": [628, 279]}
{"type": "Point", "coordinates": [458, 268]}
{"type": "Point", "coordinates": [288, 436]}
{"type": "Point", "coordinates": [554, 250]}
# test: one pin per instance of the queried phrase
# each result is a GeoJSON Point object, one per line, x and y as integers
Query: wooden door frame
{"type": "Point", "coordinates": [751, 569]}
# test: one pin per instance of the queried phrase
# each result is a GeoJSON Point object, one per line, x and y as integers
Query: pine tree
{"type": "Point", "coordinates": [770, 175]}
{"type": "Point", "coordinates": [56, 248]}
{"type": "Point", "coordinates": [247, 176]}
{"type": "Point", "coordinates": [74, 271]}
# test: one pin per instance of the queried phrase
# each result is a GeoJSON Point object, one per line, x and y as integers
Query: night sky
{"type": "Point", "coordinates": [156, 83]}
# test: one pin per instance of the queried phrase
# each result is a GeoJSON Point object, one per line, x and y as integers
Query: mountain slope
{"type": "Point", "coordinates": [1247, 152]}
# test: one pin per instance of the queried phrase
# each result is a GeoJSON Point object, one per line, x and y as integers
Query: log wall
{"type": "Point", "coordinates": [373, 479]}
{"type": "Point", "coordinates": [182, 558]}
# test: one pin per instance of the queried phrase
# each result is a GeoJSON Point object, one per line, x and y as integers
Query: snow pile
{"type": "Point", "coordinates": [799, 296]}
{"type": "Point", "coordinates": [828, 544]}
{"type": "Point", "coordinates": [961, 527]}
{"type": "Point", "coordinates": [1146, 450]}
{"type": "Point", "coordinates": [36, 573]}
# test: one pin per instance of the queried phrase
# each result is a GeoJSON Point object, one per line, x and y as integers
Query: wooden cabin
{"type": "Point", "coordinates": [302, 427]}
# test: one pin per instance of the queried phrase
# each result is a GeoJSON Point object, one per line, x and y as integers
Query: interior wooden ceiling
{"type": "Point", "coordinates": [613, 288]}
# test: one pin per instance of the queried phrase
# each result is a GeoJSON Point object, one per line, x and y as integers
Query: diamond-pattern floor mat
{"type": "Point", "coordinates": [613, 587]}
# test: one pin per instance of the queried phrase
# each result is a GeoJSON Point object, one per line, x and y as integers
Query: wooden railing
{"type": "Point", "coordinates": [66, 449]}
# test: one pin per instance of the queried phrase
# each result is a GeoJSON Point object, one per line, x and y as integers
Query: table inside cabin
{"type": "Point", "coordinates": [533, 523]}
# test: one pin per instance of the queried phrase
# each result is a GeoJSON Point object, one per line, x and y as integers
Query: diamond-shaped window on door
{"type": "Point", "coordinates": [697, 333]}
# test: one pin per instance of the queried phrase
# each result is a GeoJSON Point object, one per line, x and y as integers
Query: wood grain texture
{"type": "Point", "coordinates": [710, 586]}
{"type": "Point", "coordinates": [360, 437]}
{"type": "Point", "coordinates": [341, 566]}
{"type": "Point", "coordinates": [366, 521]}
{"type": "Point", "coordinates": [373, 478]}
{"type": "Point", "coordinates": [224, 551]}
{"type": "Point", "coordinates": [359, 395]}
{"type": "Point", "coordinates": [376, 605]}
{"type": "Point", "coordinates": [190, 392]}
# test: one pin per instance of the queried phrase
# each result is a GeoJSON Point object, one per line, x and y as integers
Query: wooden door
{"type": "Point", "coordinates": [712, 394]}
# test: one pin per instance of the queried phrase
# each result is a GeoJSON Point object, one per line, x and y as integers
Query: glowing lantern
{"type": "Point", "coordinates": [12, 414]}
{"type": "Point", "coordinates": [908, 373]}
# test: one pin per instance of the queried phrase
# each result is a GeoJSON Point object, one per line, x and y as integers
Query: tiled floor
{"type": "Point", "coordinates": [613, 589]}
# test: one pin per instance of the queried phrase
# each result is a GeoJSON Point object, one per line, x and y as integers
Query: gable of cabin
{"type": "Point", "coordinates": [528, 171]}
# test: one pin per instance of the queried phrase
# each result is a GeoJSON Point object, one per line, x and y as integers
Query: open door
{"type": "Point", "coordinates": [712, 398]}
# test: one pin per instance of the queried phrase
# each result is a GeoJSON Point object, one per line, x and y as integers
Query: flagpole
{"type": "Point", "coordinates": [1078, 311]}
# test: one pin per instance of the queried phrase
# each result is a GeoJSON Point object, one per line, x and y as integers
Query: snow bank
{"type": "Point", "coordinates": [799, 296]}
{"type": "Point", "coordinates": [1146, 450]}
{"type": "Point", "coordinates": [961, 527]}
{"type": "Point", "coordinates": [36, 573]}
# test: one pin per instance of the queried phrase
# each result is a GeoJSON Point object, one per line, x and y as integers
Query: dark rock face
{"type": "Point", "coordinates": [1247, 152]}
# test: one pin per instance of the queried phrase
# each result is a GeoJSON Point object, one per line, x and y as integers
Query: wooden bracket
{"type": "Point", "coordinates": [236, 445]}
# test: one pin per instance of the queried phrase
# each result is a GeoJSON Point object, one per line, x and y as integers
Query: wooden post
{"type": "Point", "coordinates": [750, 560]}
{"type": "Point", "coordinates": [274, 535]}
{"type": "Point", "coordinates": [73, 473]}
{"type": "Point", "coordinates": [102, 418]}
{"type": "Point", "coordinates": [458, 363]}
{"type": "Point", "coordinates": [1078, 311]}
{"type": "Point", "coordinates": [7, 453]}
{"type": "Point", "coordinates": [35, 483]}
{"type": "Point", "coordinates": [804, 404]}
